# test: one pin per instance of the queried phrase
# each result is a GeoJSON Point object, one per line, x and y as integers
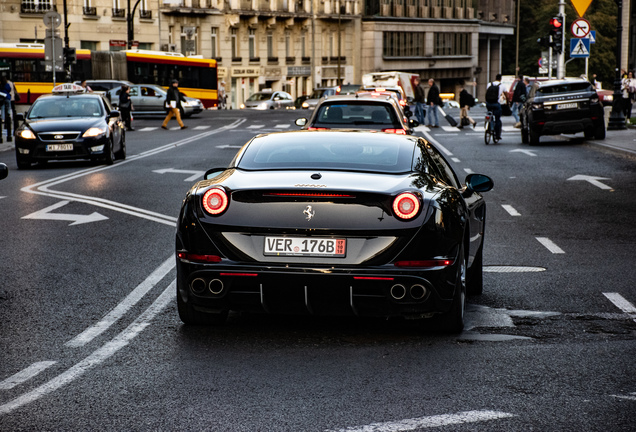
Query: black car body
{"type": "Point", "coordinates": [562, 106]}
{"type": "Point", "coordinates": [68, 125]}
{"type": "Point", "coordinates": [332, 222]}
{"type": "Point", "coordinates": [370, 111]}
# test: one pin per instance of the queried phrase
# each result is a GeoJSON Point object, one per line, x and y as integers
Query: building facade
{"type": "Point", "coordinates": [290, 45]}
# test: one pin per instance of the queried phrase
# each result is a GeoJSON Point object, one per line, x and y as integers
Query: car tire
{"type": "Point", "coordinates": [599, 133]}
{"type": "Point", "coordinates": [453, 320]}
{"type": "Point", "coordinates": [121, 153]}
{"type": "Point", "coordinates": [524, 134]}
{"type": "Point", "coordinates": [475, 283]}
{"type": "Point", "coordinates": [588, 133]}
{"type": "Point", "coordinates": [109, 158]}
{"type": "Point", "coordinates": [23, 163]}
{"type": "Point", "coordinates": [534, 136]}
{"type": "Point", "coordinates": [190, 316]}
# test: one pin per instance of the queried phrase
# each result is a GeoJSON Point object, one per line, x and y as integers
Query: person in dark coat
{"type": "Point", "coordinates": [432, 101]}
{"type": "Point", "coordinates": [420, 111]}
{"type": "Point", "coordinates": [466, 102]}
{"type": "Point", "coordinates": [173, 99]}
{"type": "Point", "coordinates": [125, 106]}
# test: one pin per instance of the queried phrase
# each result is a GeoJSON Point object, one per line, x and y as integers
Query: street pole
{"type": "Point", "coordinates": [617, 120]}
{"type": "Point", "coordinates": [339, 41]}
{"type": "Point", "coordinates": [517, 29]}
{"type": "Point", "coordinates": [561, 55]}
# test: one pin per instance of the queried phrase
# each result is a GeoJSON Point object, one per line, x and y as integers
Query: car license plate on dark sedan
{"type": "Point", "coordinates": [572, 105]}
{"type": "Point", "coordinates": [59, 147]}
{"type": "Point", "coordinates": [305, 246]}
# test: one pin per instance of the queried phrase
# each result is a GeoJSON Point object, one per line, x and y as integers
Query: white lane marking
{"type": "Point", "coordinates": [456, 160]}
{"type": "Point", "coordinates": [513, 269]}
{"type": "Point", "coordinates": [621, 303]}
{"type": "Point", "coordinates": [194, 174]}
{"type": "Point", "coordinates": [625, 397]}
{"type": "Point", "coordinates": [25, 374]}
{"type": "Point", "coordinates": [592, 180]}
{"type": "Point", "coordinates": [98, 356]}
{"type": "Point", "coordinates": [282, 126]}
{"type": "Point", "coordinates": [147, 129]}
{"type": "Point", "coordinates": [525, 151]}
{"type": "Point", "coordinates": [202, 127]}
{"type": "Point", "coordinates": [256, 126]}
{"type": "Point", "coordinates": [511, 210]}
{"type": "Point", "coordinates": [75, 219]}
{"type": "Point", "coordinates": [549, 244]}
{"type": "Point", "coordinates": [468, 170]}
{"type": "Point", "coordinates": [437, 144]}
{"type": "Point", "coordinates": [124, 306]}
{"type": "Point", "coordinates": [450, 128]}
{"type": "Point", "coordinates": [429, 422]}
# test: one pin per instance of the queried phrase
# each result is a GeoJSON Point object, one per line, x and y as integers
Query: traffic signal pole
{"type": "Point", "coordinates": [561, 53]}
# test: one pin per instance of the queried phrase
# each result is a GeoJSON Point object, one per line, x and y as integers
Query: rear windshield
{"type": "Point", "coordinates": [564, 88]}
{"type": "Point", "coordinates": [348, 151]}
{"type": "Point", "coordinates": [356, 114]}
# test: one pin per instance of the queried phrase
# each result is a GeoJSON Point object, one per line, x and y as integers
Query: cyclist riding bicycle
{"type": "Point", "coordinates": [494, 93]}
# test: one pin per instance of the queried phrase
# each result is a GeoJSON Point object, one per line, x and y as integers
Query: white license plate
{"type": "Point", "coordinates": [305, 246]}
{"type": "Point", "coordinates": [567, 106]}
{"type": "Point", "coordinates": [59, 147]}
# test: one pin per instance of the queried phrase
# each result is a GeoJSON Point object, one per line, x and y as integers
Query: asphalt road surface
{"type": "Point", "coordinates": [90, 338]}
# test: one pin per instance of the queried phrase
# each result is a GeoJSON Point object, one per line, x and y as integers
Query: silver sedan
{"type": "Point", "coordinates": [149, 99]}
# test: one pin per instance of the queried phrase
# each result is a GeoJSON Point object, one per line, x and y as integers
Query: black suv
{"type": "Point", "coordinates": [562, 106]}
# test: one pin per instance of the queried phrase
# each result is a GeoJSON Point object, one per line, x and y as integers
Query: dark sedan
{"type": "Point", "coordinates": [332, 222]}
{"type": "Point", "coordinates": [68, 124]}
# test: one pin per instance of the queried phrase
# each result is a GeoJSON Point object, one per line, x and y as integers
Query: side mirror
{"type": "Point", "coordinates": [19, 116]}
{"type": "Point", "coordinates": [213, 172]}
{"type": "Point", "coordinates": [301, 122]}
{"type": "Point", "coordinates": [4, 171]}
{"type": "Point", "coordinates": [413, 123]}
{"type": "Point", "coordinates": [479, 182]}
{"type": "Point", "coordinates": [113, 114]}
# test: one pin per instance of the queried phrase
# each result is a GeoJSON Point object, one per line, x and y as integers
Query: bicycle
{"type": "Point", "coordinates": [489, 129]}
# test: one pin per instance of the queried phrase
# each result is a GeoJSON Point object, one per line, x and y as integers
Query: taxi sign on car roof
{"type": "Point", "coordinates": [68, 88]}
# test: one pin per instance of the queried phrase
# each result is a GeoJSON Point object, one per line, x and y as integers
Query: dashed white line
{"type": "Point", "coordinates": [468, 170]}
{"type": "Point", "coordinates": [282, 126]}
{"type": "Point", "coordinates": [256, 126]}
{"type": "Point", "coordinates": [549, 244]}
{"type": "Point", "coordinates": [202, 127]}
{"type": "Point", "coordinates": [511, 210]}
{"type": "Point", "coordinates": [429, 422]}
{"type": "Point", "coordinates": [621, 303]}
{"type": "Point", "coordinates": [25, 374]}
{"type": "Point", "coordinates": [456, 160]}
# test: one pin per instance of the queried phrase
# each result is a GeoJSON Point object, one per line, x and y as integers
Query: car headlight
{"type": "Point", "coordinates": [26, 134]}
{"type": "Point", "coordinates": [93, 132]}
{"type": "Point", "coordinates": [305, 105]}
{"type": "Point", "coordinates": [242, 106]}
{"type": "Point", "coordinates": [262, 105]}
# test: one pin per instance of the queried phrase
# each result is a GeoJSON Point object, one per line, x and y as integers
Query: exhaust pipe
{"type": "Point", "coordinates": [198, 285]}
{"type": "Point", "coordinates": [398, 291]}
{"type": "Point", "coordinates": [418, 292]}
{"type": "Point", "coordinates": [216, 286]}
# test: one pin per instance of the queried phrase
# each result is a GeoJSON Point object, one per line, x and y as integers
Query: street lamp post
{"type": "Point", "coordinates": [130, 22]}
{"type": "Point", "coordinates": [616, 120]}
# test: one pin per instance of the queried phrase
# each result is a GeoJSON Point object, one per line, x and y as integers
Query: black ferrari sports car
{"type": "Point", "coordinates": [334, 223]}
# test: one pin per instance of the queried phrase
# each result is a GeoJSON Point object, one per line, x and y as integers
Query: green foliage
{"type": "Point", "coordinates": [534, 22]}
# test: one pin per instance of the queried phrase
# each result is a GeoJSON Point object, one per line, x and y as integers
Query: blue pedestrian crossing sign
{"type": "Point", "coordinates": [579, 48]}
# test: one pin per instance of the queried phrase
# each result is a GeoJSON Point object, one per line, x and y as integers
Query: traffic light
{"type": "Point", "coordinates": [70, 56]}
{"type": "Point", "coordinates": [556, 30]}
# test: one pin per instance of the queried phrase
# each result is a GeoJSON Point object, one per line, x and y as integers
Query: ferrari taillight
{"type": "Point", "coordinates": [424, 263]}
{"type": "Point", "coordinates": [406, 205]}
{"type": "Point", "coordinates": [215, 201]}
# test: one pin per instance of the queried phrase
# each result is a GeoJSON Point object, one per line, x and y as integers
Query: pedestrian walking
{"type": "Point", "coordinates": [173, 99]}
{"type": "Point", "coordinates": [628, 87]}
{"type": "Point", "coordinates": [222, 96]}
{"type": "Point", "coordinates": [518, 99]}
{"type": "Point", "coordinates": [432, 102]}
{"type": "Point", "coordinates": [494, 94]}
{"type": "Point", "coordinates": [126, 106]}
{"type": "Point", "coordinates": [420, 111]}
{"type": "Point", "coordinates": [5, 107]}
{"type": "Point", "coordinates": [466, 102]}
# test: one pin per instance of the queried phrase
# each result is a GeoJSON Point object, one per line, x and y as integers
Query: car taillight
{"type": "Point", "coordinates": [406, 205]}
{"type": "Point", "coordinates": [424, 263]}
{"type": "Point", "coordinates": [317, 128]}
{"type": "Point", "coordinates": [215, 201]}
{"type": "Point", "coordinates": [199, 257]}
{"type": "Point", "coordinates": [403, 102]}
{"type": "Point", "coordinates": [395, 131]}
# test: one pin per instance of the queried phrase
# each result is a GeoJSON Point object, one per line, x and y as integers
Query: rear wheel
{"type": "Point", "coordinates": [121, 153]}
{"type": "Point", "coordinates": [475, 283]}
{"type": "Point", "coordinates": [190, 316]}
{"type": "Point", "coordinates": [534, 137]}
{"type": "Point", "coordinates": [109, 158]}
{"type": "Point", "coordinates": [487, 133]}
{"type": "Point", "coordinates": [453, 320]}
{"type": "Point", "coordinates": [599, 133]}
{"type": "Point", "coordinates": [524, 134]}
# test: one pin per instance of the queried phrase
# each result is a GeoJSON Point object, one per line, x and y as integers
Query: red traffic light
{"type": "Point", "coordinates": [556, 22]}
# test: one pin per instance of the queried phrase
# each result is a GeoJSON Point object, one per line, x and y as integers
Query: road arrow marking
{"type": "Point", "coordinates": [77, 219]}
{"type": "Point", "coordinates": [195, 174]}
{"type": "Point", "coordinates": [528, 152]}
{"type": "Point", "coordinates": [593, 180]}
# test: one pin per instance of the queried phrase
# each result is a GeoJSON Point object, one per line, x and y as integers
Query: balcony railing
{"type": "Point", "coordinates": [40, 8]}
{"type": "Point", "coordinates": [119, 13]}
{"type": "Point", "coordinates": [90, 11]}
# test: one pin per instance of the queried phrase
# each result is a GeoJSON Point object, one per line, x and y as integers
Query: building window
{"type": "Point", "coordinates": [252, 43]}
{"type": "Point", "coordinates": [270, 44]}
{"type": "Point", "coordinates": [303, 44]}
{"type": "Point", "coordinates": [189, 37]}
{"type": "Point", "coordinates": [403, 44]}
{"type": "Point", "coordinates": [36, 6]}
{"type": "Point", "coordinates": [234, 40]}
{"type": "Point", "coordinates": [89, 45]}
{"type": "Point", "coordinates": [214, 35]}
{"type": "Point", "coordinates": [449, 44]}
{"type": "Point", "coordinates": [288, 49]}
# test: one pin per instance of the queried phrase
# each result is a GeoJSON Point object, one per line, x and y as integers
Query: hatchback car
{"type": "Point", "coordinates": [371, 111]}
{"type": "Point", "coordinates": [148, 99]}
{"type": "Point", "coordinates": [562, 106]}
{"type": "Point", "coordinates": [104, 85]}
{"type": "Point", "coordinates": [264, 100]}
{"type": "Point", "coordinates": [69, 124]}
